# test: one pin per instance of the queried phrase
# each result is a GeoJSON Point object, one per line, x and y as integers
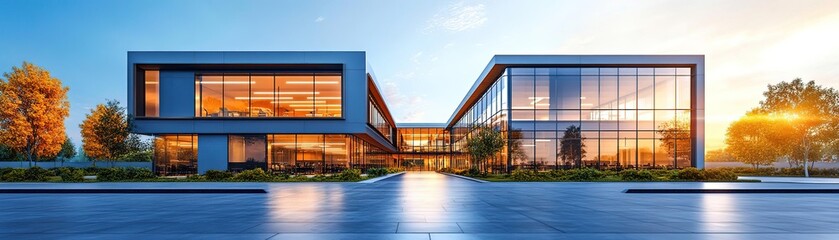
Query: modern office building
{"type": "Point", "coordinates": [320, 112]}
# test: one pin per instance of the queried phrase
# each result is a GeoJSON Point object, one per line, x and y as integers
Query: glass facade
{"type": "Point", "coordinates": [152, 93]}
{"type": "Point", "coordinates": [424, 148]}
{"type": "Point", "coordinates": [607, 118]}
{"type": "Point", "coordinates": [322, 153]}
{"type": "Point", "coordinates": [490, 110]}
{"type": "Point", "coordinates": [175, 154]}
{"type": "Point", "coordinates": [378, 121]}
{"type": "Point", "coordinates": [552, 117]}
{"type": "Point", "coordinates": [287, 95]}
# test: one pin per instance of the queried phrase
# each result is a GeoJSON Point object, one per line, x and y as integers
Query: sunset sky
{"type": "Point", "coordinates": [417, 46]}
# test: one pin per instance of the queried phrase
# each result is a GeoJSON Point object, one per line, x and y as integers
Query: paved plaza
{"type": "Point", "coordinates": [420, 206]}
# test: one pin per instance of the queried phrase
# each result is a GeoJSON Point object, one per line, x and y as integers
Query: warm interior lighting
{"type": "Point", "coordinates": [291, 102]}
{"type": "Point", "coordinates": [317, 105]}
{"type": "Point", "coordinates": [528, 145]}
{"type": "Point", "coordinates": [287, 93]}
{"type": "Point", "coordinates": [226, 82]}
{"type": "Point", "coordinates": [325, 98]}
{"type": "Point", "coordinates": [309, 82]}
{"type": "Point", "coordinates": [254, 98]}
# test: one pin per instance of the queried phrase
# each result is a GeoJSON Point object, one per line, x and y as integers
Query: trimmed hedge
{"type": "Point", "coordinates": [784, 172]}
{"type": "Point", "coordinates": [216, 175]}
{"type": "Point", "coordinates": [124, 174]}
{"type": "Point", "coordinates": [69, 174]}
{"type": "Point", "coordinates": [594, 175]}
{"type": "Point", "coordinates": [376, 172]}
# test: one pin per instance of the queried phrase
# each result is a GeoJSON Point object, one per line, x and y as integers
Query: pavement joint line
{"type": "Point", "coordinates": [465, 177]}
{"type": "Point", "coordinates": [376, 179]}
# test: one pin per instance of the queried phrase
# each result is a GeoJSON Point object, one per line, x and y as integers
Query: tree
{"type": "Point", "coordinates": [33, 106]}
{"type": "Point", "coordinates": [484, 144]}
{"type": "Point", "coordinates": [572, 146]}
{"type": "Point", "coordinates": [7, 153]}
{"type": "Point", "coordinates": [516, 147]}
{"type": "Point", "coordinates": [754, 139]}
{"type": "Point", "coordinates": [104, 132]}
{"type": "Point", "coordinates": [718, 155]}
{"type": "Point", "coordinates": [675, 138]}
{"type": "Point", "coordinates": [137, 150]}
{"type": "Point", "coordinates": [68, 150]}
{"type": "Point", "coordinates": [813, 112]}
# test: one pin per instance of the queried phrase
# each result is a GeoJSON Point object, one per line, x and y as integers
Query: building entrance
{"type": "Point", "coordinates": [424, 162]}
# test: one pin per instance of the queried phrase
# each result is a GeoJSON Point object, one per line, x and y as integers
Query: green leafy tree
{"type": "Point", "coordinates": [68, 150]}
{"type": "Point", "coordinates": [484, 144]}
{"type": "Point", "coordinates": [137, 149]}
{"type": "Point", "coordinates": [572, 146]}
{"type": "Point", "coordinates": [104, 132]}
{"type": "Point", "coordinates": [9, 154]}
{"type": "Point", "coordinates": [813, 113]}
{"type": "Point", "coordinates": [754, 139]}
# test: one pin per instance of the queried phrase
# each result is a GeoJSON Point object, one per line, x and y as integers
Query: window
{"type": "Point", "coordinates": [236, 95]}
{"type": "Point", "coordinates": [378, 121]}
{"type": "Point", "coordinates": [212, 87]}
{"type": "Point", "coordinates": [296, 95]}
{"type": "Point", "coordinates": [152, 93]}
{"type": "Point", "coordinates": [262, 105]}
{"type": "Point", "coordinates": [246, 152]}
{"type": "Point", "coordinates": [176, 154]}
{"type": "Point", "coordinates": [327, 98]}
{"type": "Point", "coordinates": [290, 95]}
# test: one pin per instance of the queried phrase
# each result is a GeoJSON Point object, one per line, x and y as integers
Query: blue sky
{"type": "Point", "coordinates": [417, 46]}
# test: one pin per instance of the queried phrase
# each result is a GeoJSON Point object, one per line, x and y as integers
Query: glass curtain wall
{"type": "Point", "coordinates": [425, 149]}
{"type": "Point", "coordinates": [176, 154]}
{"type": "Point", "coordinates": [287, 95]}
{"type": "Point", "coordinates": [378, 120]}
{"type": "Point", "coordinates": [322, 153]}
{"type": "Point", "coordinates": [607, 118]}
{"type": "Point", "coordinates": [490, 110]}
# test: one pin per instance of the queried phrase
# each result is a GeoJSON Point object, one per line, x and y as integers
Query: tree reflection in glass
{"type": "Point", "coordinates": [572, 146]}
{"type": "Point", "coordinates": [675, 138]}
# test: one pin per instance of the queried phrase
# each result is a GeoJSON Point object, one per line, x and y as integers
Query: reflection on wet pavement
{"type": "Point", "coordinates": [421, 205]}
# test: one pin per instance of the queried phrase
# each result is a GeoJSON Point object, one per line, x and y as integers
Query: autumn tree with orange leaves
{"type": "Point", "coordinates": [33, 106]}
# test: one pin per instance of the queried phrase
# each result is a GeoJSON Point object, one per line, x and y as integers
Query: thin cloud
{"type": "Point", "coordinates": [416, 58]}
{"type": "Point", "coordinates": [458, 17]}
{"type": "Point", "coordinates": [319, 19]}
{"type": "Point", "coordinates": [404, 107]}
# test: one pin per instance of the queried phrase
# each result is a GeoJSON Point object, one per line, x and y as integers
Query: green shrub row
{"type": "Point", "coordinates": [69, 174]}
{"type": "Point", "coordinates": [592, 175]}
{"type": "Point", "coordinates": [788, 172]}
{"type": "Point", "coordinates": [378, 172]}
